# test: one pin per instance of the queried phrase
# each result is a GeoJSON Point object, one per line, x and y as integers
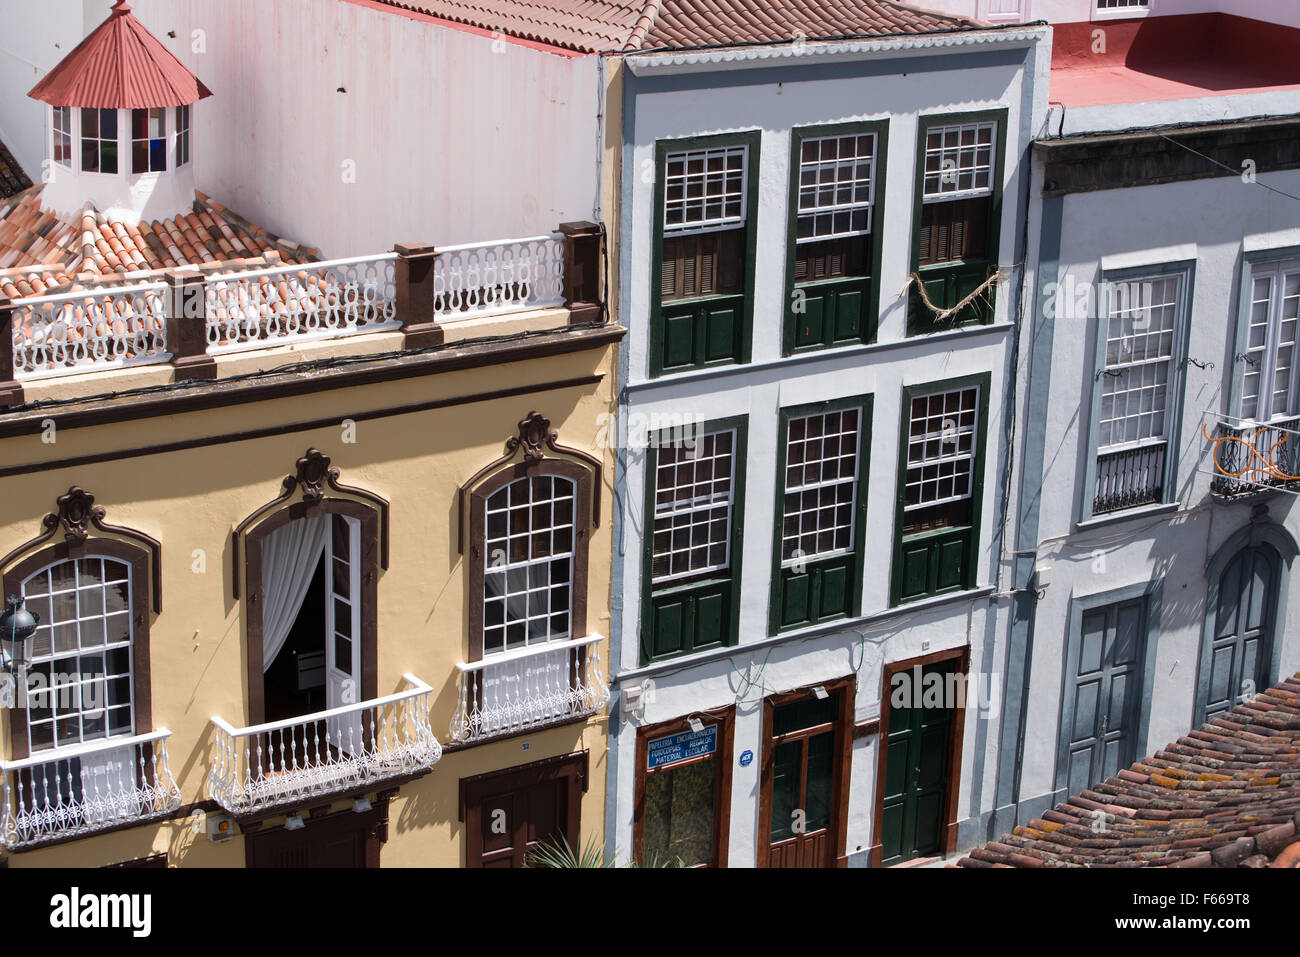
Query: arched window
{"type": "Point", "coordinates": [528, 563]}
{"type": "Point", "coordinates": [82, 652]}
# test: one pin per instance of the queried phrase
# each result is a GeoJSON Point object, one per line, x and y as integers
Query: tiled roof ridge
{"type": "Point", "coordinates": [1226, 794]}
{"type": "Point", "coordinates": [205, 203]}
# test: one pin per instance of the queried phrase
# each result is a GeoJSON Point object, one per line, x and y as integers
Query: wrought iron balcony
{"type": "Point", "coordinates": [1130, 477]}
{"type": "Point", "coordinates": [329, 752]}
{"type": "Point", "coordinates": [86, 788]}
{"type": "Point", "coordinates": [529, 688]}
{"type": "Point", "coordinates": [1247, 458]}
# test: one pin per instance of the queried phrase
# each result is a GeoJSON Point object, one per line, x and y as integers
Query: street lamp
{"type": "Point", "coordinates": [17, 626]}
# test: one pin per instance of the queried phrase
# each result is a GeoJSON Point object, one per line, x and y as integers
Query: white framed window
{"type": "Point", "coordinates": [821, 482]}
{"type": "Point", "coordinates": [941, 448]}
{"type": "Point", "coordinates": [148, 140]}
{"type": "Point", "coordinates": [836, 186]}
{"type": "Point", "coordinates": [1127, 6]}
{"type": "Point", "coordinates": [82, 653]}
{"type": "Point", "coordinates": [705, 189]}
{"type": "Point", "coordinates": [959, 161]}
{"type": "Point", "coordinates": [528, 563]}
{"type": "Point", "coordinates": [1270, 389]}
{"type": "Point", "coordinates": [98, 141]}
{"type": "Point", "coordinates": [694, 495]}
{"type": "Point", "coordinates": [1135, 382]}
{"type": "Point", "coordinates": [61, 123]}
{"type": "Point", "coordinates": [182, 135]}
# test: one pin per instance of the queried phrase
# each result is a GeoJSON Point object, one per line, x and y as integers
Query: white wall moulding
{"type": "Point", "coordinates": [1248, 457]}
{"type": "Point", "coordinates": [324, 753]}
{"type": "Point", "coordinates": [90, 330]}
{"type": "Point", "coordinates": [261, 308]}
{"type": "Point", "coordinates": [497, 278]}
{"type": "Point", "coordinates": [529, 688]}
{"type": "Point", "coordinates": [77, 790]}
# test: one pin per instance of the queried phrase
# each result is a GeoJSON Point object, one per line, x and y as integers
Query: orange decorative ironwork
{"type": "Point", "coordinates": [1266, 460]}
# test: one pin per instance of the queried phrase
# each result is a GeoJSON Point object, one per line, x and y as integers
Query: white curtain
{"type": "Point", "coordinates": [290, 556]}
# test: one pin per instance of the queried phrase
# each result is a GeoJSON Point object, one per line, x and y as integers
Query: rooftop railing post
{"type": "Point", "coordinates": [582, 251]}
{"type": "Point", "coordinates": [187, 325]}
{"type": "Point", "coordinates": [416, 265]}
{"type": "Point", "coordinates": [11, 391]}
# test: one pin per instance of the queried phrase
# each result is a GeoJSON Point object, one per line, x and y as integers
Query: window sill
{"type": "Point", "coordinates": [1130, 13]}
{"type": "Point", "coordinates": [1142, 511]}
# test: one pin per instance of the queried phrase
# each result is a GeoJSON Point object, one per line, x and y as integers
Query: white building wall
{"type": "Point", "coordinates": [443, 136]}
{"type": "Point", "coordinates": [1214, 221]}
{"type": "Point", "coordinates": [863, 648]}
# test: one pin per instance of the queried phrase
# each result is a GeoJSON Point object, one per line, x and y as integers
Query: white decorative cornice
{"type": "Point", "coordinates": [739, 57]}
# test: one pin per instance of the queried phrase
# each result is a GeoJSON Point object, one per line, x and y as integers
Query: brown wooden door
{"type": "Point", "coordinates": [805, 770]}
{"type": "Point", "coordinates": [509, 813]}
{"type": "Point", "coordinates": [345, 839]}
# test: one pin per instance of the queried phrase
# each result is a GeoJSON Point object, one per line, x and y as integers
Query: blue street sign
{"type": "Point", "coordinates": [681, 747]}
{"type": "Point", "coordinates": [746, 759]}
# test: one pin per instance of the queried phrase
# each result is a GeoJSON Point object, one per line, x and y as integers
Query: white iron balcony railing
{"type": "Point", "coordinates": [89, 331]}
{"type": "Point", "coordinates": [85, 788]}
{"type": "Point", "coordinates": [261, 308]}
{"type": "Point", "coordinates": [1128, 478]}
{"type": "Point", "coordinates": [1249, 457]}
{"type": "Point", "coordinates": [529, 688]}
{"type": "Point", "coordinates": [493, 279]}
{"type": "Point", "coordinates": [325, 753]}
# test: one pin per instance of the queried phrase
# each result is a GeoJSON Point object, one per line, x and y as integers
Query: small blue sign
{"type": "Point", "coordinates": [746, 758]}
{"type": "Point", "coordinates": [681, 747]}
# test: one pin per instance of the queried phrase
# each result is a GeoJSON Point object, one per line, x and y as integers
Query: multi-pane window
{"type": "Point", "coordinates": [81, 653]}
{"type": "Point", "coordinates": [704, 222]}
{"type": "Point", "coordinates": [528, 563]}
{"type": "Point", "coordinates": [182, 135]}
{"type": "Point", "coordinates": [1139, 361]}
{"type": "Point", "coordinates": [1122, 4]}
{"type": "Point", "coordinates": [694, 494]}
{"type": "Point", "coordinates": [836, 192]}
{"type": "Point", "coordinates": [957, 192]}
{"type": "Point", "coordinates": [148, 140]}
{"type": "Point", "coordinates": [1269, 387]}
{"type": "Point", "coordinates": [62, 126]}
{"type": "Point", "coordinates": [1136, 385]}
{"type": "Point", "coordinates": [98, 141]}
{"type": "Point", "coordinates": [941, 448]}
{"type": "Point", "coordinates": [821, 478]}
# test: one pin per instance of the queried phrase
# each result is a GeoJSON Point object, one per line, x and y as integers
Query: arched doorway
{"type": "Point", "coordinates": [1246, 588]}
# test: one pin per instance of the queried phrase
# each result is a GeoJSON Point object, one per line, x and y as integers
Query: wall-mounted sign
{"type": "Point", "coordinates": [746, 758]}
{"type": "Point", "coordinates": [681, 747]}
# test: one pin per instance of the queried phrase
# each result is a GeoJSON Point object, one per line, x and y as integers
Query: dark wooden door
{"type": "Point", "coordinates": [803, 781]}
{"type": "Point", "coordinates": [1238, 655]}
{"type": "Point", "coordinates": [345, 839]}
{"type": "Point", "coordinates": [916, 774]}
{"type": "Point", "coordinates": [509, 814]}
{"type": "Point", "coordinates": [1107, 679]}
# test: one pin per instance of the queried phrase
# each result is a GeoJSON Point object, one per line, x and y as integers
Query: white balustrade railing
{"type": "Point", "coordinates": [492, 279]}
{"type": "Point", "coordinates": [87, 331]}
{"type": "Point", "coordinates": [529, 688]}
{"type": "Point", "coordinates": [260, 308]}
{"type": "Point", "coordinates": [85, 788]}
{"type": "Point", "coordinates": [323, 753]}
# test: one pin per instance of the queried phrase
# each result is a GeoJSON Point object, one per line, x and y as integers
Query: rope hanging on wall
{"type": "Point", "coordinates": [943, 315]}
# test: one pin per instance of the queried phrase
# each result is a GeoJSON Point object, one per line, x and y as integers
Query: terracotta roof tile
{"type": "Point", "coordinates": [12, 178]}
{"type": "Point", "coordinates": [592, 26]}
{"type": "Point", "coordinates": [42, 252]}
{"type": "Point", "coordinates": [1168, 810]}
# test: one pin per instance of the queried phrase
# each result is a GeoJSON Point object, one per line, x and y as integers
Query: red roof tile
{"type": "Point", "coordinates": [122, 66]}
{"type": "Point", "coordinates": [1226, 795]}
{"type": "Point", "coordinates": [42, 252]}
{"type": "Point", "coordinates": [592, 26]}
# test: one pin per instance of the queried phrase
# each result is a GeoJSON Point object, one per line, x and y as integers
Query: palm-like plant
{"type": "Point", "coordinates": [558, 854]}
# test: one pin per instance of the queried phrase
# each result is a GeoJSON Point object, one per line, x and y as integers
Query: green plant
{"type": "Point", "coordinates": [558, 854]}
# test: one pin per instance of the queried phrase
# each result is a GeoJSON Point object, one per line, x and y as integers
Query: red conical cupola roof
{"type": "Point", "coordinates": [120, 66]}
